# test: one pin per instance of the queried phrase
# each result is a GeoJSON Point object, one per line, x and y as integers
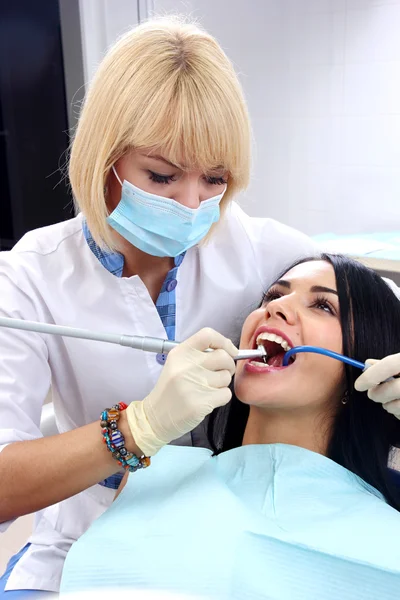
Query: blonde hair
{"type": "Point", "coordinates": [165, 85]}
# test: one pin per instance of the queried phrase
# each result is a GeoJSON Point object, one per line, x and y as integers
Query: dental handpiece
{"type": "Point", "coordinates": [138, 342]}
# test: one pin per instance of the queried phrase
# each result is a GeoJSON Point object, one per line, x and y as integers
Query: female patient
{"type": "Point", "coordinates": [297, 500]}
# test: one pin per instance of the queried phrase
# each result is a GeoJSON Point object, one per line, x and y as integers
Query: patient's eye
{"type": "Point", "coordinates": [272, 294]}
{"type": "Point", "coordinates": [323, 304]}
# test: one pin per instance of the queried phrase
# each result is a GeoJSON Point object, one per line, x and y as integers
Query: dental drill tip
{"type": "Point", "coordinates": [261, 348]}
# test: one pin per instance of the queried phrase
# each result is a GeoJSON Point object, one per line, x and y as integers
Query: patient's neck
{"type": "Point", "coordinates": [296, 427]}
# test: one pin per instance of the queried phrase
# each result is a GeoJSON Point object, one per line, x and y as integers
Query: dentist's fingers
{"type": "Point", "coordinates": [378, 372]}
{"type": "Point", "coordinates": [393, 408]}
{"type": "Point", "coordinates": [219, 379]}
{"type": "Point", "coordinates": [373, 381]}
{"type": "Point", "coordinates": [209, 338]}
{"type": "Point", "coordinates": [219, 360]}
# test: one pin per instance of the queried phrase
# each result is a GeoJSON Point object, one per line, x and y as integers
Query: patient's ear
{"type": "Point", "coordinates": [121, 485]}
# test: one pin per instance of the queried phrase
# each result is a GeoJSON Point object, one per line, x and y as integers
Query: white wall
{"type": "Point", "coordinates": [102, 22]}
{"type": "Point", "coordinates": [322, 79]}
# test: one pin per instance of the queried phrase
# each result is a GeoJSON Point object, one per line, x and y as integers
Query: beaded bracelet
{"type": "Point", "coordinates": [115, 441]}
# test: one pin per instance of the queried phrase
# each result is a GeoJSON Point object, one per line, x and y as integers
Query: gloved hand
{"type": "Point", "coordinates": [388, 394]}
{"type": "Point", "coordinates": [191, 385]}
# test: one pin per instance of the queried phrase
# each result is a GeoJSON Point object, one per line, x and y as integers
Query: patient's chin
{"type": "Point", "coordinates": [277, 397]}
{"type": "Point", "coordinates": [254, 395]}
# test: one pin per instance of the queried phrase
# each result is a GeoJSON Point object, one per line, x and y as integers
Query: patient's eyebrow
{"type": "Point", "coordinates": [283, 283]}
{"type": "Point", "coordinates": [314, 289]}
{"type": "Point", "coordinates": [321, 288]}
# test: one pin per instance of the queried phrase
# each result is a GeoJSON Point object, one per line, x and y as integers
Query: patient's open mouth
{"type": "Point", "coordinates": [275, 346]}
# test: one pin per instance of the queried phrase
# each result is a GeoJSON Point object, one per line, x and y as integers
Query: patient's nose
{"type": "Point", "coordinates": [282, 309]}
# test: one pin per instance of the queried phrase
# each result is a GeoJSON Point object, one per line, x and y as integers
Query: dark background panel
{"type": "Point", "coordinates": [33, 119]}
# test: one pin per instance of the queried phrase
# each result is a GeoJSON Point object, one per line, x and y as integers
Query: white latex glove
{"type": "Point", "coordinates": [191, 385]}
{"type": "Point", "coordinates": [388, 394]}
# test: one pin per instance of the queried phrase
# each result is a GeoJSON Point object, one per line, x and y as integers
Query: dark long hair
{"type": "Point", "coordinates": [363, 434]}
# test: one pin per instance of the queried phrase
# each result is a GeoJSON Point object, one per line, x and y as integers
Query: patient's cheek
{"type": "Point", "coordinates": [250, 325]}
{"type": "Point", "coordinates": [238, 386]}
{"type": "Point", "coordinates": [243, 388]}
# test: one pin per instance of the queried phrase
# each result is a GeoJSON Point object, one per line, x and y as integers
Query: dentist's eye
{"type": "Point", "coordinates": [158, 178]}
{"type": "Point", "coordinates": [323, 304]}
{"type": "Point", "coordinates": [216, 180]}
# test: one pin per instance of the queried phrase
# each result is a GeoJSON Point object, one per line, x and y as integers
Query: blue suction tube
{"type": "Point", "coordinates": [316, 350]}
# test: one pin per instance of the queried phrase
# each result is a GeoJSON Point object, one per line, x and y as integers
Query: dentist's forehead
{"type": "Point", "coordinates": [317, 272]}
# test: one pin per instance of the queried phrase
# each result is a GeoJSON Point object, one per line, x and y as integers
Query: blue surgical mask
{"type": "Point", "coordinates": [160, 226]}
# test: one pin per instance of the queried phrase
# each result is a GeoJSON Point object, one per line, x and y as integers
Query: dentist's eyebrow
{"type": "Point", "coordinates": [217, 170]}
{"type": "Point", "coordinates": [161, 159]}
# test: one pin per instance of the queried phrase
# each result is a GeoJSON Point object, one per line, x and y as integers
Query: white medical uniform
{"type": "Point", "coordinates": [51, 275]}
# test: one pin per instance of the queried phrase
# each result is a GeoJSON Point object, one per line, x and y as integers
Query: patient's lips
{"type": "Point", "coordinates": [276, 343]}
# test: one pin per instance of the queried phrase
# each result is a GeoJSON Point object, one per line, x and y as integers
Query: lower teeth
{"type": "Point", "coordinates": [259, 363]}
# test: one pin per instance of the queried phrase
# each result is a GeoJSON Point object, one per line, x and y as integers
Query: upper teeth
{"type": "Point", "coordinates": [271, 337]}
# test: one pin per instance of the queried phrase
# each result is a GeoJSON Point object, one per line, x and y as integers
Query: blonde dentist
{"type": "Point", "coordinates": [161, 148]}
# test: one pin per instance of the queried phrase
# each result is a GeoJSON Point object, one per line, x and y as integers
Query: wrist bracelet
{"type": "Point", "coordinates": [115, 441]}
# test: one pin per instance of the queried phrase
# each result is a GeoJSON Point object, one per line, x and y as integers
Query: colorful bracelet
{"type": "Point", "coordinates": [115, 441]}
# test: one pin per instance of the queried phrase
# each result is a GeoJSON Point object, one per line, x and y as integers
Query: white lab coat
{"type": "Point", "coordinates": [51, 275]}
